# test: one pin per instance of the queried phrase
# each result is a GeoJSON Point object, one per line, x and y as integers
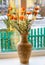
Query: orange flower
{"type": "Point", "coordinates": [11, 17]}
{"type": "Point", "coordinates": [8, 14]}
{"type": "Point", "coordinates": [22, 17]}
{"type": "Point", "coordinates": [35, 13]}
{"type": "Point", "coordinates": [10, 8]}
{"type": "Point", "coordinates": [36, 8]}
{"type": "Point", "coordinates": [28, 13]}
{"type": "Point", "coordinates": [15, 17]}
{"type": "Point", "coordinates": [23, 9]}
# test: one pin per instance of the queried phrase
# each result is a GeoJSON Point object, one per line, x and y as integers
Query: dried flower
{"type": "Point", "coordinates": [10, 8]}
{"type": "Point", "coordinates": [35, 13]}
{"type": "Point", "coordinates": [21, 17]}
{"type": "Point", "coordinates": [11, 17]}
{"type": "Point", "coordinates": [23, 9]}
{"type": "Point", "coordinates": [22, 22]}
{"type": "Point", "coordinates": [15, 17]}
{"type": "Point", "coordinates": [8, 14]}
{"type": "Point", "coordinates": [36, 8]}
{"type": "Point", "coordinates": [28, 13]}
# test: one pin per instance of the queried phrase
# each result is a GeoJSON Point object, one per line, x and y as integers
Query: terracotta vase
{"type": "Point", "coordinates": [24, 49]}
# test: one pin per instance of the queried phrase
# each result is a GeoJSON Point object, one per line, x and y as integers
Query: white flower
{"type": "Point", "coordinates": [30, 17]}
{"type": "Point", "coordinates": [38, 11]}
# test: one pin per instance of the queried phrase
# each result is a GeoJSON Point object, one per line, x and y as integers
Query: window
{"type": "Point", "coordinates": [16, 2]}
{"type": "Point", "coordinates": [4, 2]}
{"type": "Point", "coordinates": [0, 1]}
{"type": "Point", "coordinates": [43, 2]}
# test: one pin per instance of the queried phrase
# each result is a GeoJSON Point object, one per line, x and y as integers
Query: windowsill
{"type": "Point", "coordinates": [15, 61]}
{"type": "Point", "coordinates": [15, 54]}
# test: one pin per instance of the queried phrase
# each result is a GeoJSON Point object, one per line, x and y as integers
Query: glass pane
{"type": "Point", "coordinates": [0, 1]}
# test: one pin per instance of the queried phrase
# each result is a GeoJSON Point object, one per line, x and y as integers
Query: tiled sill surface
{"type": "Point", "coordinates": [40, 60]}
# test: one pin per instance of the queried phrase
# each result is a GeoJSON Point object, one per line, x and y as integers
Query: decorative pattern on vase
{"type": "Point", "coordinates": [24, 50]}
